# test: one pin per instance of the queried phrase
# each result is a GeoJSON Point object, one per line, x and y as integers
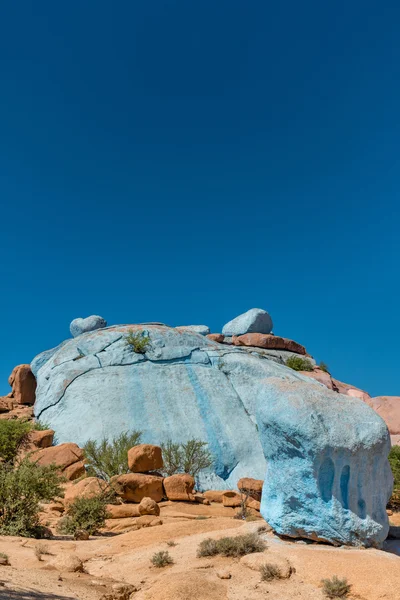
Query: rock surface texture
{"type": "Point", "coordinates": [255, 320]}
{"type": "Point", "coordinates": [79, 326]}
{"type": "Point", "coordinates": [186, 386]}
{"type": "Point", "coordinates": [327, 474]}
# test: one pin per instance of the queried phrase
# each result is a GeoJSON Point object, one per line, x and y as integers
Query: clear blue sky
{"type": "Point", "coordinates": [185, 161]}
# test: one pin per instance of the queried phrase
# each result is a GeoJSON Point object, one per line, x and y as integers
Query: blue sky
{"type": "Point", "coordinates": [183, 162]}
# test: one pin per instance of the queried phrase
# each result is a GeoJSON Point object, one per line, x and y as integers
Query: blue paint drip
{"type": "Point", "coordinates": [326, 475]}
{"type": "Point", "coordinates": [344, 486]}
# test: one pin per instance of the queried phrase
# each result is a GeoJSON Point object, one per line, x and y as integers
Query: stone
{"type": "Point", "coordinates": [270, 342]}
{"type": "Point", "coordinates": [145, 457]}
{"type": "Point", "coordinates": [148, 506]}
{"type": "Point", "coordinates": [214, 495]}
{"type": "Point", "coordinates": [67, 562]}
{"type": "Point", "coordinates": [4, 562]}
{"type": "Point", "coordinates": [254, 504]}
{"type": "Point", "coordinates": [201, 329]}
{"type": "Point", "coordinates": [327, 476]}
{"type": "Point", "coordinates": [86, 488]}
{"type": "Point", "coordinates": [74, 471]}
{"type": "Point", "coordinates": [258, 559]}
{"type": "Point", "coordinates": [79, 325]}
{"type": "Point", "coordinates": [62, 455]}
{"type": "Point", "coordinates": [253, 487]}
{"type": "Point", "coordinates": [148, 521]}
{"type": "Point", "coordinates": [35, 440]}
{"type": "Point", "coordinates": [225, 574]}
{"type": "Point", "coordinates": [81, 535]}
{"type": "Point", "coordinates": [388, 407]}
{"type": "Point", "coordinates": [321, 377]}
{"type": "Point", "coordinates": [133, 487]}
{"type": "Point", "coordinates": [216, 337]}
{"type": "Point", "coordinates": [344, 388]}
{"type": "Point", "coordinates": [179, 487]}
{"type": "Point", "coordinates": [201, 499]}
{"type": "Point", "coordinates": [23, 385]}
{"type": "Point", "coordinates": [254, 320]}
{"type": "Point", "coordinates": [123, 511]}
{"type": "Point", "coordinates": [231, 499]}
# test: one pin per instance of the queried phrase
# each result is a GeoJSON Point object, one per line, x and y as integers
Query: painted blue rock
{"type": "Point", "coordinates": [201, 329]}
{"type": "Point", "coordinates": [327, 477]}
{"type": "Point", "coordinates": [254, 320]}
{"type": "Point", "coordinates": [79, 326]}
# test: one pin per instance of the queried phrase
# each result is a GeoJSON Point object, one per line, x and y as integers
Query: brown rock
{"type": "Point", "coordinates": [67, 562]}
{"type": "Point", "coordinates": [255, 504]}
{"type": "Point", "coordinates": [252, 487]}
{"type": "Point", "coordinates": [231, 499]}
{"type": "Point", "coordinates": [214, 495]}
{"type": "Point", "coordinates": [179, 487]}
{"type": "Point", "coordinates": [6, 404]}
{"type": "Point", "coordinates": [74, 471]}
{"type": "Point", "coordinates": [133, 487]}
{"type": "Point", "coordinates": [272, 342]}
{"type": "Point", "coordinates": [148, 506]}
{"type": "Point", "coordinates": [62, 455]}
{"type": "Point", "coordinates": [144, 458]}
{"type": "Point", "coordinates": [201, 499]}
{"type": "Point", "coordinates": [86, 488]}
{"type": "Point", "coordinates": [81, 535]}
{"type": "Point", "coordinates": [148, 521]}
{"type": "Point", "coordinates": [123, 511]}
{"type": "Point", "coordinates": [216, 337]}
{"type": "Point", "coordinates": [41, 439]}
{"type": "Point", "coordinates": [23, 384]}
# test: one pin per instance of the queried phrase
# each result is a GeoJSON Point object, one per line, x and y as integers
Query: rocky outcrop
{"type": "Point", "coordinates": [133, 487]}
{"type": "Point", "coordinates": [254, 320]}
{"type": "Point", "coordinates": [179, 487]}
{"type": "Point", "coordinates": [68, 457]}
{"type": "Point", "coordinates": [271, 342]}
{"type": "Point", "coordinates": [251, 487]}
{"type": "Point", "coordinates": [327, 474]}
{"type": "Point", "coordinates": [216, 337]}
{"type": "Point", "coordinates": [79, 326]}
{"type": "Point", "coordinates": [23, 385]}
{"type": "Point", "coordinates": [388, 407]}
{"type": "Point", "coordinates": [145, 457]}
{"type": "Point", "coordinates": [148, 506]}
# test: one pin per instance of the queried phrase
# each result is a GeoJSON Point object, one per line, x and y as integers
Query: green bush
{"type": "Point", "coordinates": [394, 460]}
{"type": "Point", "coordinates": [191, 457]}
{"type": "Point", "coordinates": [105, 459]}
{"type": "Point", "coordinates": [12, 434]}
{"type": "Point", "coordinates": [21, 490]}
{"type": "Point", "coordinates": [87, 514]}
{"type": "Point", "coordinates": [324, 367]}
{"type": "Point", "coordinates": [232, 546]}
{"type": "Point", "coordinates": [335, 587]}
{"type": "Point", "coordinates": [269, 571]}
{"type": "Point", "coordinates": [162, 559]}
{"type": "Point", "coordinates": [40, 426]}
{"type": "Point", "coordinates": [138, 341]}
{"type": "Point", "coordinates": [298, 363]}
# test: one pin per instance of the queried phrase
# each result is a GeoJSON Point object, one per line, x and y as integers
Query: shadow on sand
{"type": "Point", "coordinates": [7, 594]}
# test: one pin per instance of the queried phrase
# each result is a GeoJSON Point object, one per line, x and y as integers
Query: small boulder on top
{"type": "Point", "coordinates": [255, 320]}
{"type": "Point", "coordinates": [145, 457]}
{"type": "Point", "coordinates": [79, 326]}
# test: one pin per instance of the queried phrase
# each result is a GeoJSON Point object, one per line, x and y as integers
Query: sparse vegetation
{"type": "Point", "coordinates": [105, 459]}
{"type": "Point", "coordinates": [85, 514]}
{"type": "Point", "coordinates": [324, 367]}
{"type": "Point", "coordinates": [394, 460]}
{"type": "Point", "coordinates": [162, 559]}
{"type": "Point", "coordinates": [22, 488]}
{"type": "Point", "coordinates": [12, 434]}
{"type": "Point", "coordinates": [335, 587]}
{"type": "Point", "coordinates": [171, 543]}
{"type": "Point", "coordinates": [40, 550]}
{"type": "Point", "coordinates": [41, 426]}
{"type": "Point", "coordinates": [261, 529]}
{"type": "Point", "coordinates": [191, 457]}
{"type": "Point", "coordinates": [4, 558]}
{"type": "Point", "coordinates": [298, 363]}
{"type": "Point", "coordinates": [138, 341]}
{"type": "Point", "coordinates": [269, 571]}
{"type": "Point", "coordinates": [232, 546]}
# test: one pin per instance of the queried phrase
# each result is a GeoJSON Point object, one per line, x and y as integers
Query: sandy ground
{"type": "Point", "coordinates": [374, 574]}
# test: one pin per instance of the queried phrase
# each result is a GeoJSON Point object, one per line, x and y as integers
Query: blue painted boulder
{"type": "Point", "coordinates": [255, 320]}
{"type": "Point", "coordinates": [186, 386]}
{"type": "Point", "coordinates": [79, 326]}
{"type": "Point", "coordinates": [327, 476]}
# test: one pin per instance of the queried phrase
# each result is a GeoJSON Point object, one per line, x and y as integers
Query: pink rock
{"type": "Point", "coordinates": [388, 407]}
{"type": "Point", "coordinates": [269, 341]}
{"type": "Point", "coordinates": [344, 388]}
{"type": "Point", "coordinates": [216, 337]}
{"type": "Point", "coordinates": [321, 376]}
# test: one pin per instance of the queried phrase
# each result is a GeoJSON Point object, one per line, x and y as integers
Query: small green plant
{"type": "Point", "coordinates": [232, 546]}
{"type": "Point", "coordinates": [162, 559]}
{"type": "Point", "coordinates": [22, 488]}
{"type": "Point", "coordinates": [41, 426]}
{"type": "Point", "coordinates": [191, 457]}
{"type": "Point", "coordinates": [138, 341]}
{"type": "Point", "coordinates": [335, 587]}
{"type": "Point", "coordinates": [324, 367]}
{"type": "Point", "coordinates": [105, 459]}
{"type": "Point", "coordinates": [298, 363]}
{"type": "Point", "coordinates": [394, 460]}
{"type": "Point", "coordinates": [40, 550]}
{"type": "Point", "coordinates": [269, 571]}
{"type": "Point", "coordinates": [12, 435]}
{"type": "Point", "coordinates": [85, 514]}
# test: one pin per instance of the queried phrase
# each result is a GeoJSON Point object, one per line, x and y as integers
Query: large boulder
{"type": "Point", "coordinates": [327, 475]}
{"type": "Point", "coordinates": [85, 488]}
{"type": "Point", "coordinates": [271, 342]}
{"type": "Point", "coordinates": [133, 487]}
{"type": "Point", "coordinates": [145, 457]}
{"type": "Point", "coordinates": [23, 385]}
{"type": "Point", "coordinates": [179, 487]}
{"type": "Point", "coordinates": [388, 407]}
{"type": "Point", "coordinates": [254, 320]}
{"type": "Point", "coordinates": [67, 457]}
{"type": "Point", "coordinates": [79, 325]}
